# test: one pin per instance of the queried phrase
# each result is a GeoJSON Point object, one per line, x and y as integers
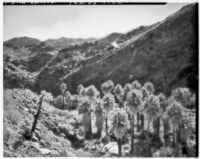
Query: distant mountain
{"type": "Point", "coordinates": [22, 42]}
{"type": "Point", "coordinates": [63, 42]}
{"type": "Point", "coordinates": [28, 53]}
{"type": "Point", "coordinates": [163, 53]}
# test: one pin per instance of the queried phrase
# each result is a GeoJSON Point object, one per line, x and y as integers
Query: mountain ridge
{"type": "Point", "coordinates": [139, 54]}
{"type": "Point", "coordinates": [122, 76]}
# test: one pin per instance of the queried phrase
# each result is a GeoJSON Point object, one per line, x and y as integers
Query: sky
{"type": "Point", "coordinates": [80, 21]}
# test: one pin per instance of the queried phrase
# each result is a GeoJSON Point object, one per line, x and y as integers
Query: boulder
{"type": "Point", "coordinates": [111, 147]}
{"type": "Point", "coordinates": [43, 151]}
{"type": "Point", "coordinates": [70, 154]}
{"type": "Point", "coordinates": [37, 134]}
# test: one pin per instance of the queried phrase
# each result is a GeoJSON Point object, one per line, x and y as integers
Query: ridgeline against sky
{"type": "Point", "coordinates": [44, 22]}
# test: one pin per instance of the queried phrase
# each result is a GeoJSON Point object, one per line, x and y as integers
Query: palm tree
{"type": "Point", "coordinates": [136, 85]}
{"type": "Point", "coordinates": [163, 105]}
{"type": "Point", "coordinates": [192, 101]}
{"type": "Point", "coordinates": [127, 88]}
{"type": "Point", "coordinates": [119, 94]}
{"type": "Point", "coordinates": [175, 113]}
{"type": "Point", "coordinates": [149, 87]}
{"type": "Point", "coordinates": [99, 119]}
{"type": "Point", "coordinates": [80, 87]}
{"type": "Point", "coordinates": [107, 87]}
{"type": "Point", "coordinates": [92, 94]}
{"type": "Point", "coordinates": [67, 99]}
{"type": "Point", "coordinates": [108, 103]}
{"type": "Point", "coordinates": [152, 108]}
{"type": "Point", "coordinates": [144, 100]}
{"type": "Point", "coordinates": [119, 125]}
{"type": "Point", "coordinates": [133, 102]}
{"type": "Point", "coordinates": [182, 95]}
{"type": "Point", "coordinates": [63, 88]}
{"type": "Point", "coordinates": [85, 109]}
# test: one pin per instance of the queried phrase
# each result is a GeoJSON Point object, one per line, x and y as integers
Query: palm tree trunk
{"type": "Point", "coordinates": [148, 126]}
{"type": "Point", "coordinates": [174, 138]}
{"type": "Point", "coordinates": [156, 126]}
{"type": "Point", "coordinates": [138, 119]}
{"type": "Point", "coordinates": [177, 144]}
{"type": "Point", "coordinates": [90, 127]}
{"type": "Point", "coordinates": [166, 130]}
{"type": "Point", "coordinates": [158, 129]}
{"type": "Point", "coordinates": [142, 121]}
{"type": "Point", "coordinates": [119, 142]}
{"type": "Point", "coordinates": [106, 121]}
{"type": "Point", "coordinates": [99, 133]}
{"type": "Point", "coordinates": [63, 102]}
{"type": "Point", "coordinates": [132, 136]}
{"type": "Point", "coordinates": [177, 141]}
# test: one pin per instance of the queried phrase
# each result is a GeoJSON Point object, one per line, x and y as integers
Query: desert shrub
{"type": "Point", "coordinates": [6, 134]}
{"type": "Point", "coordinates": [13, 116]}
{"type": "Point", "coordinates": [74, 102]}
{"type": "Point", "coordinates": [48, 97]}
{"type": "Point", "coordinates": [164, 152]}
{"type": "Point", "coordinates": [58, 102]}
{"type": "Point", "coordinates": [33, 152]}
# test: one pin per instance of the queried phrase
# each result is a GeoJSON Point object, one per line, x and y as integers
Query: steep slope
{"type": "Point", "coordinates": [56, 133]}
{"type": "Point", "coordinates": [163, 53]}
{"type": "Point", "coordinates": [68, 60]}
{"type": "Point", "coordinates": [159, 54]}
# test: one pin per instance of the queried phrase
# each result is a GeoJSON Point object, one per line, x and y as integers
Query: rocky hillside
{"type": "Point", "coordinates": [162, 53]}
{"type": "Point", "coordinates": [59, 133]}
{"type": "Point", "coordinates": [56, 133]}
{"type": "Point", "coordinates": [68, 60]}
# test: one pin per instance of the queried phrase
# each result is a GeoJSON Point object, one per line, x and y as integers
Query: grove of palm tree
{"type": "Point", "coordinates": [134, 116]}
